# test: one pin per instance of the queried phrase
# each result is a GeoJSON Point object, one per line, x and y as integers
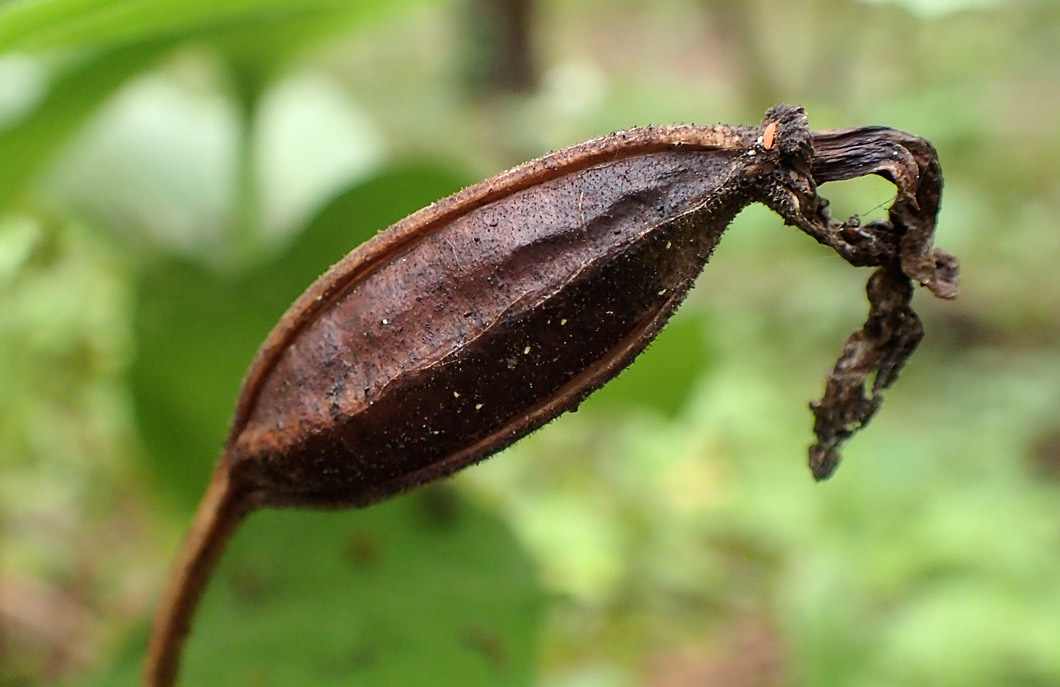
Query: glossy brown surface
{"type": "Point", "coordinates": [466, 339]}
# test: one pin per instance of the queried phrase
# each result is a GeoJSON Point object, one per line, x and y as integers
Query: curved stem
{"type": "Point", "coordinates": [221, 510]}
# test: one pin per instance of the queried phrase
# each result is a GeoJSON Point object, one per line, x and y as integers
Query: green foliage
{"type": "Point", "coordinates": [422, 585]}
{"type": "Point", "coordinates": [29, 144]}
{"type": "Point", "coordinates": [36, 25]}
{"type": "Point", "coordinates": [664, 376]}
{"type": "Point", "coordinates": [672, 513]}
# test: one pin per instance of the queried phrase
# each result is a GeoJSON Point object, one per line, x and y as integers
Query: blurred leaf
{"type": "Point", "coordinates": [28, 145]}
{"type": "Point", "coordinates": [420, 586]}
{"type": "Point", "coordinates": [197, 330]}
{"type": "Point", "coordinates": [254, 36]}
{"type": "Point", "coordinates": [663, 377]}
{"type": "Point", "coordinates": [937, 8]}
{"type": "Point", "coordinates": [256, 46]}
{"type": "Point", "coordinates": [45, 24]}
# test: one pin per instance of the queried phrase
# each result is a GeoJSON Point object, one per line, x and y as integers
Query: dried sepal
{"type": "Point", "coordinates": [902, 247]}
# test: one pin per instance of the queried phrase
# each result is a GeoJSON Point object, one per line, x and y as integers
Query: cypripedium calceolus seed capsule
{"type": "Point", "coordinates": [478, 319]}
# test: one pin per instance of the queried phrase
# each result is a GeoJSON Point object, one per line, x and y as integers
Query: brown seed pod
{"type": "Point", "coordinates": [475, 321]}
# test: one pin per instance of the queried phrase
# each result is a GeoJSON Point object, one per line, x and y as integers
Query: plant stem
{"type": "Point", "coordinates": [220, 512]}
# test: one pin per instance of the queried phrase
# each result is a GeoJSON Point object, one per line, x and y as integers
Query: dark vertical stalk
{"type": "Point", "coordinates": [498, 54]}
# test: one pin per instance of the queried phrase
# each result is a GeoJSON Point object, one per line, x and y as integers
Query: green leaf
{"type": "Point", "coordinates": [29, 145]}
{"type": "Point", "coordinates": [121, 39]}
{"type": "Point", "coordinates": [197, 330]}
{"type": "Point", "coordinates": [664, 376]}
{"type": "Point", "coordinates": [424, 589]}
{"type": "Point", "coordinates": [47, 24]}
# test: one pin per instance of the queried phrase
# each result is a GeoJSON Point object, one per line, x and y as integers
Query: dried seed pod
{"type": "Point", "coordinates": [478, 319]}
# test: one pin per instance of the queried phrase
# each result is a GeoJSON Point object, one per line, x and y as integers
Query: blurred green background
{"type": "Point", "coordinates": [173, 173]}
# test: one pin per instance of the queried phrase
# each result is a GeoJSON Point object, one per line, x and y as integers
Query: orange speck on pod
{"type": "Point", "coordinates": [768, 134]}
